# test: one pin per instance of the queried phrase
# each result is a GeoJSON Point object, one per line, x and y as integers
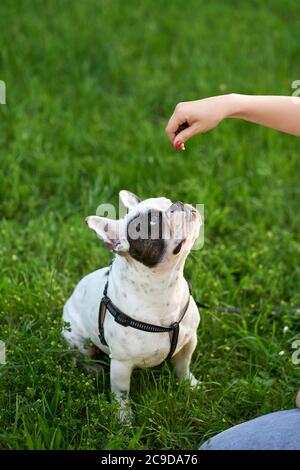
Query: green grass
{"type": "Point", "coordinates": [90, 86]}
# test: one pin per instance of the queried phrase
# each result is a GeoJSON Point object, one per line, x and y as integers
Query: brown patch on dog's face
{"type": "Point", "coordinates": [145, 237]}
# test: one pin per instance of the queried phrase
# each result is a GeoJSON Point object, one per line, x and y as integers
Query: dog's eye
{"type": "Point", "coordinates": [178, 248]}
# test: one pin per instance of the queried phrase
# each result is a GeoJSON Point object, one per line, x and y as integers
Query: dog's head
{"type": "Point", "coordinates": [154, 232]}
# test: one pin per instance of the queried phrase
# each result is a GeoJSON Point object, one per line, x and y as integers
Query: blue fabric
{"type": "Point", "coordinates": [275, 431]}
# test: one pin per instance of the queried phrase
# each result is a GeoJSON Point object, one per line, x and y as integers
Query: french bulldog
{"type": "Point", "coordinates": [146, 282]}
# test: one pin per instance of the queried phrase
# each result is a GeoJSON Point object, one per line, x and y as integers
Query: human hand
{"type": "Point", "coordinates": [195, 117]}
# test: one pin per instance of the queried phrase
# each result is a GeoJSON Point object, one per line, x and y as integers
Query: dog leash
{"type": "Point", "coordinates": [218, 309]}
{"type": "Point", "coordinates": [211, 307]}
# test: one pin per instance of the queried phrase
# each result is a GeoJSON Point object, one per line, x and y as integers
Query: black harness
{"type": "Point", "coordinates": [125, 320]}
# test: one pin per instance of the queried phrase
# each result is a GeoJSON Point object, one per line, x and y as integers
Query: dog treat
{"type": "Point", "coordinates": [180, 145]}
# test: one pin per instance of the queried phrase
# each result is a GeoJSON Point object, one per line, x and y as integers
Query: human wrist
{"type": "Point", "coordinates": [233, 105]}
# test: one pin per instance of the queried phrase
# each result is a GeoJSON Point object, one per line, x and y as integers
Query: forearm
{"type": "Point", "coordinates": [278, 112]}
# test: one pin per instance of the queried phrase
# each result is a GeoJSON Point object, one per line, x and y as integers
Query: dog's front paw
{"type": "Point", "coordinates": [125, 415]}
{"type": "Point", "coordinates": [193, 381]}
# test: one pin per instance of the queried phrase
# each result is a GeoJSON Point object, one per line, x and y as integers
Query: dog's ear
{"type": "Point", "coordinates": [109, 231]}
{"type": "Point", "coordinates": [128, 199]}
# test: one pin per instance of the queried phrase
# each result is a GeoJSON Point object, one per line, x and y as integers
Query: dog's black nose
{"type": "Point", "coordinates": [177, 206]}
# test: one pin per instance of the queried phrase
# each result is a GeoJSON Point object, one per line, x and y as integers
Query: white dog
{"type": "Point", "coordinates": [147, 313]}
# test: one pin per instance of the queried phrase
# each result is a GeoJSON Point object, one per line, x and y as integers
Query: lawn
{"type": "Point", "coordinates": [90, 86]}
